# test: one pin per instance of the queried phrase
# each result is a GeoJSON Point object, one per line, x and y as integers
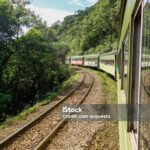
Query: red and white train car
{"type": "Point", "coordinates": [77, 60]}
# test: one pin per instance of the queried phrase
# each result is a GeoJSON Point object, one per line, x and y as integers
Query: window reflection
{"type": "Point", "coordinates": [126, 46]}
{"type": "Point", "coordinates": [145, 78]}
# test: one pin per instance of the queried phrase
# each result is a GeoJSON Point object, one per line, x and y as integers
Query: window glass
{"type": "Point", "coordinates": [145, 79]}
{"type": "Point", "coordinates": [125, 63]}
{"type": "Point", "coordinates": [119, 63]}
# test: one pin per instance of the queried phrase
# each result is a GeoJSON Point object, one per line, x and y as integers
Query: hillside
{"type": "Point", "coordinates": [91, 31]}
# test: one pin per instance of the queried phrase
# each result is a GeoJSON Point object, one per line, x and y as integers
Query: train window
{"type": "Point", "coordinates": [145, 78]}
{"type": "Point", "coordinates": [119, 63]}
{"type": "Point", "coordinates": [135, 74]}
{"type": "Point", "coordinates": [122, 65]}
{"type": "Point", "coordinates": [125, 65]}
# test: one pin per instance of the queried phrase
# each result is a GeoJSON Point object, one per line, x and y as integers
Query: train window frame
{"type": "Point", "coordinates": [136, 64]}
{"type": "Point", "coordinates": [125, 42]}
{"type": "Point", "coordinates": [122, 66]}
{"type": "Point", "coordinates": [137, 27]}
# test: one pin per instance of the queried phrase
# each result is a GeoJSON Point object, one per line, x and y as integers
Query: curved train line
{"type": "Point", "coordinates": [50, 136]}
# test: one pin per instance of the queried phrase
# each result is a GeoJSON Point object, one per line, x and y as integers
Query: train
{"type": "Point", "coordinates": [104, 61]}
{"type": "Point", "coordinates": [107, 62]}
{"type": "Point", "coordinates": [130, 66]}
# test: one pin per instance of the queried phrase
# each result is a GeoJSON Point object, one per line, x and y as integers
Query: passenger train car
{"type": "Point", "coordinates": [105, 62]}
{"type": "Point", "coordinates": [91, 60]}
{"type": "Point", "coordinates": [77, 60]}
{"type": "Point", "coordinates": [130, 65]}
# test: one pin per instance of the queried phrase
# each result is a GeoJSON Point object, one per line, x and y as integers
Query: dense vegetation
{"type": "Point", "coordinates": [93, 30]}
{"type": "Point", "coordinates": [31, 64]}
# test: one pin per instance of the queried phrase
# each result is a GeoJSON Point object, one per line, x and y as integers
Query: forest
{"type": "Point", "coordinates": [93, 30]}
{"type": "Point", "coordinates": [32, 63]}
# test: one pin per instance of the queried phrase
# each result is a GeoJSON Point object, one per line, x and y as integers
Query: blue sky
{"type": "Point", "coordinates": [66, 5]}
{"type": "Point", "coordinates": [54, 10]}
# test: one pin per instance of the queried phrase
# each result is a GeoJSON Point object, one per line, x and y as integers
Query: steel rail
{"type": "Point", "coordinates": [43, 144]}
{"type": "Point", "coordinates": [8, 139]}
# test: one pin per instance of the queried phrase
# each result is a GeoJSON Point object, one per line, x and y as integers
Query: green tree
{"type": "Point", "coordinates": [92, 28]}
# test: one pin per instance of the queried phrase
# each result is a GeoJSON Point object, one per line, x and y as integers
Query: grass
{"type": "Point", "coordinates": [69, 83]}
{"type": "Point", "coordinates": [106, 137]}
{"type": "Point", "coordinates": [109, 86]}
{"type": "Point", "coordinates": [63, 88]}
{"type": "Point", "coordinates": [10, 120]}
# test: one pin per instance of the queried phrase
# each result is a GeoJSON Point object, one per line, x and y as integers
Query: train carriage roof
{"type": "Point", "coordinates": [80, 56]}
{"type": "Point", "coordinates": [109, 53]}
{"type": "Point", "coordinates": [91, 56]}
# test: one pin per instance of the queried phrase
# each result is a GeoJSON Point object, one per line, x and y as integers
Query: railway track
{"type": "Point", "coordinates": [50, 136]}
{"type": "Point", "coordinates": [36, 131]}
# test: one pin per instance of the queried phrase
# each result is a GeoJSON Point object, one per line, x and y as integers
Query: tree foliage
{"type": "Point", "coordinates": [31, 64]}
{"type": "Point", "coordinates": [92, 30]}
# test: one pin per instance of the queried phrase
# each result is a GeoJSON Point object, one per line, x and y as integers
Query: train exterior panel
{"type": "Point", "coordinates": [91, 60]}
{"type": "Point", "coordinates": [77, 60]}
{"type": "Point", "coordinates": [107, 63]}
